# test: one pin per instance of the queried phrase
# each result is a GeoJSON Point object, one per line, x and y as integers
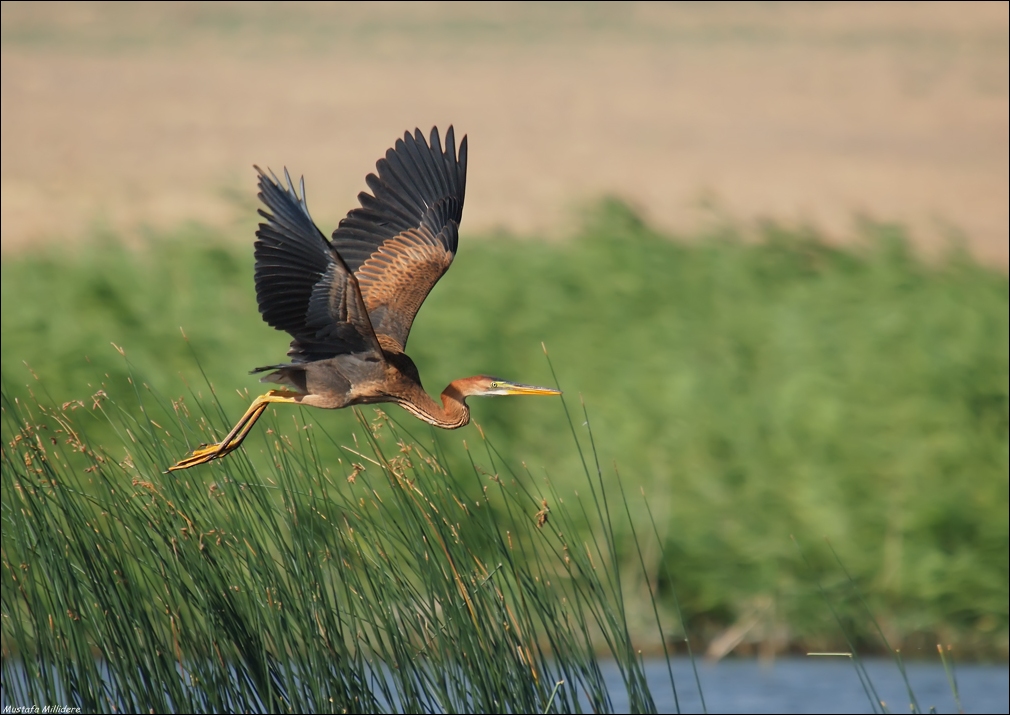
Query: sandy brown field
{"type": "Point", "coordinates": [148, 116]}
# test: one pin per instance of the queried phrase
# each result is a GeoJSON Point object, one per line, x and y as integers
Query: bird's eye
{"type": "Point", "coordinates": [494, 384]}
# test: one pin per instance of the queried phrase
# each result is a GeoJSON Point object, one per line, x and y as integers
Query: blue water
{"type": "Point", "coordinates": [818, 685]}
{"type": "Point", "coordinates": [791, 685]}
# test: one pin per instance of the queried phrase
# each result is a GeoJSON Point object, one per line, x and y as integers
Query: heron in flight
{"type": "Point", "coordinates": [349, 302]}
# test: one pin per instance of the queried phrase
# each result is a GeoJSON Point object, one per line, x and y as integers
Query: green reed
{"type": "Point", "coordinates": [386, 579]}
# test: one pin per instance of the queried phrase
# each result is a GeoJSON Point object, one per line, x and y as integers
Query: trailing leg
{"type": "Point", "coordinates": [238, 433]}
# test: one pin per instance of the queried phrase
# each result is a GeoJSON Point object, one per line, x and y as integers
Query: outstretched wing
{"type": "Point", "coordinates": [404, 236]}
{"type": "Point", "coordinates": [302, 285]}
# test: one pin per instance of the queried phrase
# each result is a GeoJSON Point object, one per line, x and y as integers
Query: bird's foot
{"type": "Point", "coordinates": [202, 456]}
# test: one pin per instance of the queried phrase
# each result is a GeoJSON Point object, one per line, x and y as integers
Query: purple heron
{"type": "Point", "coordinates": [349, 302]}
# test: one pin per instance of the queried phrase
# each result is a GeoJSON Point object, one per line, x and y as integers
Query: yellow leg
{"type": "Point", "coordinates": [238, 433]}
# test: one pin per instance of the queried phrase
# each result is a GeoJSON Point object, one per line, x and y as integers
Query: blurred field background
{"type": "Point", "coordinates": [148, 115]}
{"type": "Point", "coordinates": [767, 243]}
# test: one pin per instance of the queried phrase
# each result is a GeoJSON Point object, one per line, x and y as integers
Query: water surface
{"type": "Point", "coordinates": [817, 685]}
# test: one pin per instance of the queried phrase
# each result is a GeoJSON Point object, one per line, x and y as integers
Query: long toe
{"type": "Point", "coordinates": [188, 462]}
{"type": "Point", "coordinates": [199, 456]}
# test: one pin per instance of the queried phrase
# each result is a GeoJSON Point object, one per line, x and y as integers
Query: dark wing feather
{"type": "Point", "coordinates": [302, 285]}
{"type": "Point", "coordinates": [404, 236]}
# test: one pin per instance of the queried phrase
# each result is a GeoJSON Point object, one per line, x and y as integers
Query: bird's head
{"type": "Point", "coordinates": [487, 386]}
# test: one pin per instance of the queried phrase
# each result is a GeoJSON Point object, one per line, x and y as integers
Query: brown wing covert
{"type": "Point", "coordinates": [404, 236]}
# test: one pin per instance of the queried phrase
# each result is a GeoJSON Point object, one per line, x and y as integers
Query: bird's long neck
{"type": "Point", "coordinates": [451, 414]}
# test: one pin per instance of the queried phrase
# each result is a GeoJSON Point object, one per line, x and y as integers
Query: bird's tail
{"type": "Point", "coordinates": [291, 376]}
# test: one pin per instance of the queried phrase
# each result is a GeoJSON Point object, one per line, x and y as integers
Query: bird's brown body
{"type": "Point", "coordinates": [343, 381]}
{"type": "Point", "coordinates": [349, 302]}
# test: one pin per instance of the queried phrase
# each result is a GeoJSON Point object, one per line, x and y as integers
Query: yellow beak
{"type": "Point", "coordinates": [515, 388]}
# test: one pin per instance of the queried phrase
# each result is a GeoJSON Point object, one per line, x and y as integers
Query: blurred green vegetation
{"type": "Point", "coordinates": [755, 390]}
